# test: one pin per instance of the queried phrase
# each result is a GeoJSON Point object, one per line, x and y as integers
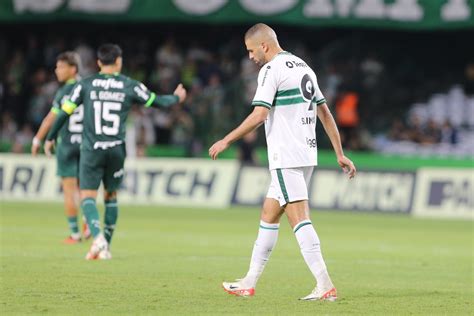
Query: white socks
{"type": "Point", "coordinates": [266, 240]}
{"type": "Point", "coordinates": [309, 245]}
{"type": "Point", "coordinates": [311, 251]}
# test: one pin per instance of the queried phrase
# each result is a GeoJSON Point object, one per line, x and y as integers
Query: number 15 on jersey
{"type": "Point", "coordinates": [106, 122]}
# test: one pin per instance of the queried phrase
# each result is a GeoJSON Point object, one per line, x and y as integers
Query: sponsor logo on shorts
{"type": "Point", "coordinates": [119, 173]}
{"type": "Point", "coordinates": [106, 145]}
{"type": "Point", "coordinates": [76, 138]}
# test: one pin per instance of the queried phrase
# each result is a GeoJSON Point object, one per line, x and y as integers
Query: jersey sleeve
{"type": "Point", "coordinates": [267, 87]}
{"type": "Point", "coordinates": [141, 94]}
{"type": "Point", "coordinates": [318, 98]}
{"type": "Point", "coordinates": [56, 106]}
{"type": "Point", "coordinates": [75, 99]}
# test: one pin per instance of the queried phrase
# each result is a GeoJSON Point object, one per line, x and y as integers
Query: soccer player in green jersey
{"type": "Point", "coordinates": [69, 141]}
{"type": "Point", "coordinates": [107, 98]}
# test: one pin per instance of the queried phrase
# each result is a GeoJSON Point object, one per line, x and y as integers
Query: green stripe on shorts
{"type": "Point", "coordinates": [282, 185]}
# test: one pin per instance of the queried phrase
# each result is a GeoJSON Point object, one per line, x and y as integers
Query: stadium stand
{"type": "Point", "coordinates": [220, 80]}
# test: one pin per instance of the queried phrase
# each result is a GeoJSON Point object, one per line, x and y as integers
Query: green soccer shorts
{"type": "Point", "coordinates": [102, 165]}
{"type": "Point", "coordinates": [67, 157]}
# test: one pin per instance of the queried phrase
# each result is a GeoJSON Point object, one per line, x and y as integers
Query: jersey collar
{"type": "Point", "coordinates": [111, 75]}
{"type": "Point", "coordinates": [283, 52]}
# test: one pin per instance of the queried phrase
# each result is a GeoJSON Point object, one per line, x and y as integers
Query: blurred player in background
{"type": "Point", "coordinates": [286, 100]}
{"type": "Point", "coordinates": [107, 98]}
{"type": "Point", "coordinates": [68, 143]}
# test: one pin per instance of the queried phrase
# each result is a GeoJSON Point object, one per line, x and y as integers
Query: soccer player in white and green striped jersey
{"type": "Point", "coordinates": [288, 100]}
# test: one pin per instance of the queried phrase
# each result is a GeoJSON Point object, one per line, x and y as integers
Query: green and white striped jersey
{"type": "Point", "coordinates": [289, 88]}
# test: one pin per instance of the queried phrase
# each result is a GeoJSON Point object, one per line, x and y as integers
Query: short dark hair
{"type": "Point", "coordinates": [108, 53]}
{"type": "Point", "coordinates": [70, 58]}
{"type": "Point", "coordinates": [255, 29]}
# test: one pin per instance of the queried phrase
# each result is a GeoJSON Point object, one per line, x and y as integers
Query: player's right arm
{"type": "Point", "coordinates": [62, 116]}
{"type": "Point", "coordinates": [42, 131]}
{"type": "Point", "coordinates": [254, 120]}
{"type": "Point", "coordinates": [267, 86]}
{"type": "Point", "coordinates": [47, 123]}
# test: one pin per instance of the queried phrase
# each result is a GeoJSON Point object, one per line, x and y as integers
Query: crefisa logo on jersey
{"type": "Point", "coordinates": [108, 83]}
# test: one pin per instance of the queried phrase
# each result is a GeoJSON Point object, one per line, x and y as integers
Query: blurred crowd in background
{"type": "Point", "coordinates": [389, 91]}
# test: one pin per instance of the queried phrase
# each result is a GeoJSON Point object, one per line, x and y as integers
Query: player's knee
{"type": "Point", "coordinates": [270, 217]}
{"type": "Point", "coordinates": [109, 195]}
{"type": "Point", "coordinates": [88, 194]}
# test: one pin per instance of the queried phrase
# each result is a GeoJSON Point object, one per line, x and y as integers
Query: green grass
{"type": "Point", "coordinates": [173, 260]}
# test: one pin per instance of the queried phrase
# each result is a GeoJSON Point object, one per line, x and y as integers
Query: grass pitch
{"type": "Point", "coordinates": [173, 260]}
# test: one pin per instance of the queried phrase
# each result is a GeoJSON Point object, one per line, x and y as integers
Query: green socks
{"type": "Point", "coordinates": [91, 214]}
{"type": "Point", "coordinates": [110, 218]}
{"type": "Point", "coordinates": [73, 225]}
{"type": "Point", "coordinates": [89, 209]}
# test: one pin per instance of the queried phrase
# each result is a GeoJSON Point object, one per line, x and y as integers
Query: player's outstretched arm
{"type": "Point", "coordinates": [42, 131]}
{"type": "Point", "coordinates": [178, 96]}
{"type": "Point", "coordinates": [254, 120]}
{"type": "Point", "coordinates": [330, 127]}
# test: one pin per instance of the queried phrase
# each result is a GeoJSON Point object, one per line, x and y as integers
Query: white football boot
{"type": "Point", "coordinates": [321, 295]}
{"type": "Point", "coordinates": [105, 254]}
{"type": "Point", "coordinates": [238, 289]}
{"type": "Point", "coordinates": [99, 245]}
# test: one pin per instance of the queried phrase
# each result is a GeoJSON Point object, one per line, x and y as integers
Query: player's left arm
{"type": "Point", "coordinates": [254, 120]}
{"type": "Point", "coordinates": [329, 124]}
{"type": "Point", "coordinates": [144, 96]}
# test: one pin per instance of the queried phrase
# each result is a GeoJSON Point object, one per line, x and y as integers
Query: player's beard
{"type": "Point", "coordinates": [261, 62]}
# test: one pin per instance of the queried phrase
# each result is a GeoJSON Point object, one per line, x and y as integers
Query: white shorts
{"type": "Point", "coordinates": [290, 185]}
